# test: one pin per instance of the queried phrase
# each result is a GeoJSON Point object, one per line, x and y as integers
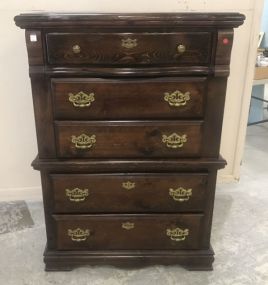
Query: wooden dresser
{"type": "Point", "coordinates": [128, 111]}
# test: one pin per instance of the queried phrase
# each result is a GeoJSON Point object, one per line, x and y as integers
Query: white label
{"type": "Point", "coordinates": [33, 38]}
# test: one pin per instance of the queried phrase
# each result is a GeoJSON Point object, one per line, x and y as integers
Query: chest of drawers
{"type": "Point", "coordinates": [128, 111]}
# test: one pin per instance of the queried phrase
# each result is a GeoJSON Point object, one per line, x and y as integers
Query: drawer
{"type": "Point", "coordinates": [128, 99]}
{"type": "Point", "coordinates": [181, 48]}
{"type": "Point", "coordinates": [95, 232]}
{"type": "Point", "coordinates": [124, 139]}
{"type": "Point", "coordinates": [126, 193]}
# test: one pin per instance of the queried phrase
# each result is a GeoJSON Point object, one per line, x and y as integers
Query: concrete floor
{"type": "Point", "coordinates": [239, 238]}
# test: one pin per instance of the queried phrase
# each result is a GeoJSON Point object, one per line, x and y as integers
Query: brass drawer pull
{"type": "Point", "coordinates": [128, 226]}
{"type": "Point", "coordinates": [181, 48]}
{"type": "Point", "coordinates": [76, 49]}
{"type": "Point", "coordinates": [128, 185]}
{"type": "Point", "coordinates": [129, 43]}
{"type": "Point", "coordinates": [180, 194]}
{"type": "Point", "coordinates": [76, 194]}
{"type": "Point", "coordinates": [81, 99]}
{"type": "Point", "coordinates": [78, 234]}
{"type": "Point", "coordinates": [174, 140]}
{"type": "Point", "coordinates": [83, 141]}
{"type": "Point", "coordinates": [177, 98]}
{"type": "Point", "coordinates": [177, 234]}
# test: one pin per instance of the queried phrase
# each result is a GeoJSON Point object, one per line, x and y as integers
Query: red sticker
{"type": "Point", "coordinates": [225, 41]}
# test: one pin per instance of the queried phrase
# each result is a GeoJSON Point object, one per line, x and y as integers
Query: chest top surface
{"type": "Point", "coordinates": [42, 20]}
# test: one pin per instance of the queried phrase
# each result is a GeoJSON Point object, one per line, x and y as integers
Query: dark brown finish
{"type": "Point", "coordinates": [136, 72]}
{"type": "Point", "coordinates": [129, 20]}
{"type": "Point", "coordinates": [42, 102]}
{"type": "Point", "coordinates": [87, 166]}
{"type": "Point", "coordinates": [109, 49]}
{"type": "Point", "coordinates": [215, 99]}
{"type": "Point", "coordinates": [224, 47]}
{"type": "Point", "coordinates": [127, 63]}
{"type": "Point", "coordinates": [131, 165]}
{"type": "Point", "coordinates": [128, 139]}
{"type": "Point", "coordinates": [59, 260]}
{"type": "Point", "coordinates": [148, 232]}
{"type": "Point", "coordinates": [129, 99]}
{"type": "Point", "coordinates": [35, 47]}
{"type": "Point", "coordinates": [149, 193]}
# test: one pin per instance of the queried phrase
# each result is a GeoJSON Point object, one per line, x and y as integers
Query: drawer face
{"type": "Point", "coordinates": [128, 139]}
{"type": "Point", "coordinates": [128, 231]}
{"type": "Point", "coordinates": [128, 99]}
{"type": "Point", "coordinates": [181, 48]}
{"type": "Point", "coordinates": [115, 193]}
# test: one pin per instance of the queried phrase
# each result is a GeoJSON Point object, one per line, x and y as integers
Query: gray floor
{"type": "Point", "coordinates": [239, 238]}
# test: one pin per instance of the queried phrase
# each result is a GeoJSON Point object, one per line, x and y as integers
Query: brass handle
{"type": "Point", "coordinates": [83, 141]}
{"type": "Point", "coordinates": [128, 185]}
{"type": "Point", "coordinates": [129, 43]}
{"type": "Point", "coordinates": [177, 98]}
{"type": "Point", "coordinates": [177, 234]}
{"type": "Point", "coordinates": [76, 49]}
{"type": "Point", "coordinates": [76, 194]}
{"type": "Point", "coordinates": [81, 99]}
{"type": "Point", "coordinates": [78, 234]}
{"type": "Point", "coordinates": [174, 140]}
{"type": "Point", "coordinates": [181, 48]}
{"type": "Point", "coordinates": [180, 194]}
{"type": "Point", "coordinates": [128, 226]}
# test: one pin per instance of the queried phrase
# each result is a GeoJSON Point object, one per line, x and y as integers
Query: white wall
{"type": "Point", "coordinates": [17, 141]}
{"type": "Point", "coordinates": [264, 24]}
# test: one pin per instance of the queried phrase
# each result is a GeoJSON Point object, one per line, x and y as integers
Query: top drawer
{"type": "Point", "coordinates": [181, 48]}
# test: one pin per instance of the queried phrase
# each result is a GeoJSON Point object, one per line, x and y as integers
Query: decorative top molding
{"type": "Point", "coordinates": [52, 20]}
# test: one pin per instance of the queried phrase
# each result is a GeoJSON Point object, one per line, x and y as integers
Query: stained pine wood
{"type": "Point", "coordinates": [148, 192]}
{"type": "Point", "coordinates": [35, 48]}
{"type": "Point", "coordinates": [129, 99]}
{"type": "Point", "coordinates": [107, 231]}
{"type": "Point", "coordinates": [128, 139]}
{"type": "Point", "coordinates": [128, 20]}
{"type": "Point", "coordinates": [128, 165]}
{"type": "Point", "coordinates": [151, 49]}
{"type": "Point", "coordinates": [128, 118]}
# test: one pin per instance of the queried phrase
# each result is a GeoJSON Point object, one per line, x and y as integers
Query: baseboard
{"type": "Point", "coordinates": [22, 193]}
{"type": "Point", "coordinates": [226, 178]}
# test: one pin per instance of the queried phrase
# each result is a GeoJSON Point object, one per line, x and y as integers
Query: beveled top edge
{"type": "Point", "coordinates": [27, 20]}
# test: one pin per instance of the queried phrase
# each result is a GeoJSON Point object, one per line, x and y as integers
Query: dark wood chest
{"type": "Point", "coordinates": [128, 111]}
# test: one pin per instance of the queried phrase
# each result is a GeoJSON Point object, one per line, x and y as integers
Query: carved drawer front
{"type": "Point", "coordinates": [114, 193]}
{"type": "Point", "coordinates": [128, 99]}
{"type": "Point", "coordinates": [181, 48]}
{"type": "Point", "coordinates": [128, 139]}
{"type": "Point", "coordinates": [128, 231]}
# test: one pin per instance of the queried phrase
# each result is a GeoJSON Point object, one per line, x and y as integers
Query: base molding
{"type": "Point", "coordinates": [21, 193]}
{"type": "Point", "coordinates": [199, 260]}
